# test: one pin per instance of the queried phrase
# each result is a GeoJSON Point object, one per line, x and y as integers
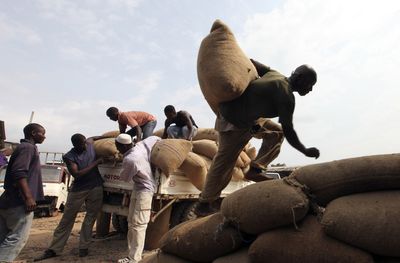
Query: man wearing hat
{"type": "Point", "coordinates": [136, 166]}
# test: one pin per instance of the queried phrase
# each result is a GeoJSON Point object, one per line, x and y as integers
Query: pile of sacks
{"type": "Point", "coordinates": [194, 158]}
{"type": "Point", "coordinates": [277, 221]}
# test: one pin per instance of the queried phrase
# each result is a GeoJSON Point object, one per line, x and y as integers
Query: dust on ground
{"type": "Point", "coordinates": [100, 250]}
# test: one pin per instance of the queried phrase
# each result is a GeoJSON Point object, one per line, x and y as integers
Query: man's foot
{"type": "Point", "coordinates": [48, 253]}
{"type": "Point", "coordinates": [126, 260]}
{"type": "Point", "coordinates": [257, 175]}
{"type": "Point", "coordinates": [204, 209]}
{"type": "Point", "coordinates": [83, 252]}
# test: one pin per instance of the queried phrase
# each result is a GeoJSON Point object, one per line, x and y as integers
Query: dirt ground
{"type": "Point", "coordinates": [109, 249]}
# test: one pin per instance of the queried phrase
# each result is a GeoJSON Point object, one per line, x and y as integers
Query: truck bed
{"type": "Point", "coordinates": [176, 185]}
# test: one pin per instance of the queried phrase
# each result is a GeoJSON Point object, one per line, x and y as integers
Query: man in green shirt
{"type": "Point", "coordinates": [238, 121]}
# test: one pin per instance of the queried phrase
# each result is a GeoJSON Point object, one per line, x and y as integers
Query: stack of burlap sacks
{"type": "Point", "coordinates": [340, 211]}
{"type": "Point", "coordinates": [192, 158]}
{"type": "Point", "coordinates": [276, 221]}
{"type": "Point", "coordinates": [197, 156]}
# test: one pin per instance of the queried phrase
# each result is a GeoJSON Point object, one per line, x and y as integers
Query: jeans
{"type": "Point", "coordinates": [15, 224]}
{"type": "Point", "coordinates": [93, 200]}
{"type": "Point", "coordinates": [138, 218]}
{"type": "Point", "coordinates": [176, 132]}
{"type": "Point", "coordinates": [147, 130]}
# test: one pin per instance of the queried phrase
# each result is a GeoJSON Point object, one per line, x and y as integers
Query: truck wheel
{"type": "Point", "coordinates": [119, 223]}
{"type": "Point", "coordinates": [181, 212]}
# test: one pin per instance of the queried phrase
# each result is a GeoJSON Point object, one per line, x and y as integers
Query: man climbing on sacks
{"type": "Point", "coordinates": [240, 119]}
{"type": "Point", "coordinates": [184, 127]}
{"type": "Point", "coordinates": [142, 123]}
{"type": "Point", "coordinates": [136, 166]}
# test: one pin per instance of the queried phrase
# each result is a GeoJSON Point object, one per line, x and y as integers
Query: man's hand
{"type": "Point", "coordinates": [30, 204]}
{"type": "Point", "coordinates": [312, 152]}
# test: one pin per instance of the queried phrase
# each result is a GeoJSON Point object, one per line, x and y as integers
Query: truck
{"type": "Point", "coordinates": [173, 202]}
{"type": "Point", "coordinates": [56, 182]}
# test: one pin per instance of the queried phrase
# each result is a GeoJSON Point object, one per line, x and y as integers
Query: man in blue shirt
{"type": "Point", "coordinates": [87, 188]}
{"type": "Point", "coordinates": [23, 187]}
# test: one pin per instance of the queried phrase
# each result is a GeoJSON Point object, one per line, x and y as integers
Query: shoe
{"type": "Point", "coordinates": [83, 252]}
{"type": "Point", "coordinates": [48, 253]}
{"type": "Point", "coordinates": [204, 209]}
{"type": "Point", "coordinates": [257, 175]}
{"type": "Point", "coordinates": [126, 260]}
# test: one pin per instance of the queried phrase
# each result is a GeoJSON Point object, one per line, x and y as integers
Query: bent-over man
{"type": "Point", "coordinates": [269, 96]}
{"type": "Point", "coordinates": [87, 188]}
{"type": "Point", "coordinates": [184, 128]}
{"type": "Point", "coordinates": [136, 166]}
{"type": "Point", "coordinates": [142, 123]}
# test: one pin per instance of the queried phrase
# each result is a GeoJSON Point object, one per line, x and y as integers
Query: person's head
{"type": "Point", "coordinates": [112, 113]}
{"type": "Point", "coordinates": [79, 142]}
{"type": "Point", "coordinates": [123, 142]}
{"type": "Point", "coordinates": [169, 111]}
{"type": "Point", "coordinates": [303, 79]}
{"type": "Point", "coordinates": [35, 133]}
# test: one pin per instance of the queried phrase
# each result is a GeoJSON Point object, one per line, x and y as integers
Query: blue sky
{"type": "Point", "coordinates": [68, 61]}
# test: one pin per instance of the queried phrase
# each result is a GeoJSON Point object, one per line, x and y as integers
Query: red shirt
{"type": "Point", "coordinates": [134, 118]}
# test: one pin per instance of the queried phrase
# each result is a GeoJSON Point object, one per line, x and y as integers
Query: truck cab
{"type": "Point", "coordinates": [56, 182]}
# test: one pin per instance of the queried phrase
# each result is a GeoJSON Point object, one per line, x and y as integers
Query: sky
{"type": "Point", "coordinates": [68, 61]}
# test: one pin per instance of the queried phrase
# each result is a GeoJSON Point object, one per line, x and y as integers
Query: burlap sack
{"type": "Point", "coordinates": [331, 180]}
{"type": "Point", "coordinates": [195, 168]}
{"type": "Point", "coordinates": [111, 134]}
{"type": "Point", "coordinates": [237, 174]}
{"type": "Point", "coordinates": [223, 70]}
{"type": "Point", "coordinates": [169, 154]}
{"type": "Point", "coordinates": [251, 152]}
{"type": "Point", "coordinates": [265, 205]}
{"type": "Point", "coordinates": [159, 132]}
{"type": "Point", "coordinates": [205, 147]}
{"type": "Point", "coordinates": [106, 148]}
{"type": "Point", "coordinates": [239, 256]}
{"type": "Point", "coordinates": [158, 256]}
{"type": "Point", "coordinates": [208, 161]}
{"type": "Point", "coordinates": [206, 133]}
{"type": "Point", "coordinates": [305, 245]}
{"type": "Point", "coordinates": [369, 221]}
{"type": "Point", "coordinates": [201, 240]}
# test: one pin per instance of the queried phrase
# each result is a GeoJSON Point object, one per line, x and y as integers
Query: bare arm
{"type": "Point", "coordinates": [74, 170]}
{"type": "Point", "coordinates": [293, 139]}
{"type": "Point", "coordinates": [188, 123]}
{"type": "Point", "coordinates": [138, 133]}
{"type": "Point", "coordinates": [261, 68]}
{"type": "Point", "coordinates": [166, 125]}
{"type": "Point", "coordinates": [30, 203]}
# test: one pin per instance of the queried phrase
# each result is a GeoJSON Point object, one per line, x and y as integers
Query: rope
{"type": "Point", "coordinates": [315, 208]}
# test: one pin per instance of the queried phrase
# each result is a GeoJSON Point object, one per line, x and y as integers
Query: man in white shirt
{"type": "Point", "coordinates": [136, 166]}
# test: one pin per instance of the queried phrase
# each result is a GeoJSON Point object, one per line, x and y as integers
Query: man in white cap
{"type": "Point", "coordinates": [136, 166]}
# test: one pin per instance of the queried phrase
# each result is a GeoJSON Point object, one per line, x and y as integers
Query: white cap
{"type": "Point", "coordinates": [124, 139]}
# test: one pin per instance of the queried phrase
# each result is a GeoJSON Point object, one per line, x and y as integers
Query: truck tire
{"type": "Point", "coordinates": [181, 212]}
{"type": "Point", "coordinates": [119, 223]}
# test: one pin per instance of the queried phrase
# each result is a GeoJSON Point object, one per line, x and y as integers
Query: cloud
{"type": "Point", "coordinates": [72, 53]}
{"type": "Point", "coordinates": [13, 31]}
{"type": "Point", "coordinates": [353, 46]}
